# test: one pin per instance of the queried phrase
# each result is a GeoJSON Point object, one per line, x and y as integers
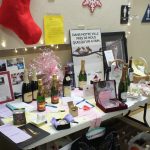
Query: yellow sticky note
{"type": "Point", "coordinates": [54, 29]}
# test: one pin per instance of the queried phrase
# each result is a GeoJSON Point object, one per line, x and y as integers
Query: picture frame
{"type": "Point", "coordinates": [6, 90]}
{"type": "Point", "coordinates": [115, 41]}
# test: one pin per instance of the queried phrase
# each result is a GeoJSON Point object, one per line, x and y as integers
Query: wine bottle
{"type": "Point", "coordinates": [34, 85]}
{"type": "Point", "coordinates": [54, 90]}
{"type": "Point", "coordinates": [127, 75]}
{"type": "Point", "coordinates": [71, 73]}
{"type": "Point", "coordinates": [26, 88]}
{"type": "Point", "coordinates": [40, 96]}
{"type": "Point", "coordinates": [82, 76]}
{"type": "Point", "coordinates": [130, 70]}
{"type": "Point", "coordinates": [123, 86]}
{"type": "Point", "coordinates": [67, 83]}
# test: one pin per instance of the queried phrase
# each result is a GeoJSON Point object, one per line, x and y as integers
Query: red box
{"type": "Point", "coordinates": [106, 97]}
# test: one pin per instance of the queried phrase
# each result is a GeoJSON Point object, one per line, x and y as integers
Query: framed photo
{"type": "Point", "coordinates": [6, 91]}
{"type": "Point", "coordinates": [115, 41]}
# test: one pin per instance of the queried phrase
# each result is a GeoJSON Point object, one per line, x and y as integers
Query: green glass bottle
{"type": "Point", "coordinates": [123, 86]}
{"type": "Point", "coordinates": [40, 96]}
{"type": "Point", "coordinates": [82, 76]}
{"type": "Point", "coordinates": [127, 75]}
{"type": "Point", "coordinates": [130, 70]}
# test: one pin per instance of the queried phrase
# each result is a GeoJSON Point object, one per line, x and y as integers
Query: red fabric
{"type": "Point", "coordinates": [15, 15]}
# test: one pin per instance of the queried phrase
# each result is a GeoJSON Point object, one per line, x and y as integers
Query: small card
{"type": "Point", "coordinates": [109, 56]}
{"type": "Point", "coordinates": [88, 91]}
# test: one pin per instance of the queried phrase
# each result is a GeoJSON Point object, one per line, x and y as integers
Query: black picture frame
{"type": "Point", "coordinates": [115, 41]}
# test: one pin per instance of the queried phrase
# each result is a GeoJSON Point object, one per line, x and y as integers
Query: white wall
{"type": "Point", "coordinates": [107, 17]}
{"type": "Point", "coordinates": [139, 40]}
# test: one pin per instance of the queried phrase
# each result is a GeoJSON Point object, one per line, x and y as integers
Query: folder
{"type": "Point", "coordinates": [36, 133]}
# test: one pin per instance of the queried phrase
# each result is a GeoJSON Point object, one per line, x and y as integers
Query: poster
{"type": "Point", "coordinates": [16, 67]}
{"type": "Point", "coordinates": [87, 45]}
{"type": "Point", "coordinates": [6, 92]}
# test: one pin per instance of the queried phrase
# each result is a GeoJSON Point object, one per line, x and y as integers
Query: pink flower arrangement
{"type": "Point", "coordinates": [47, 64]}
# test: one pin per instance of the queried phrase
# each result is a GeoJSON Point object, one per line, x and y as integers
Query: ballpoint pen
{"type": "Point", "coordinates": [89, 103]}
{"type": "Point", "coordinates": [80, 101]}
{"type": "Point", "coordinates": [51, 106]}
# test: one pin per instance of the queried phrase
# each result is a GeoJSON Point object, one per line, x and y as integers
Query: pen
{"type": "Point", "coordinates": [80, 101]}
{"type": "Point", "coordinates": [89, 103]}
{"type": "Point", "coordinates": [51, 106]}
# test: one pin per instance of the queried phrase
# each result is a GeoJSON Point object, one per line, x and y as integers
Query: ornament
{"type": "Point", "coordinates": [92, 4]}
{"type": "Point", "coordinates": [47, 64]}
{"type": "Point", "coordinates": [15, 15]}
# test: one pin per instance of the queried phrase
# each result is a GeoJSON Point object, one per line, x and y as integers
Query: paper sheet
{"type": "Point", "coordinates": [84, 103]}
{"type": "Point", "coordinates": [14, 133]}
{"type": "Point", "coordinates": [109, 56]}
{"type": "Point", "coordinates": [5, 112]}
{"type": "Point", "coordinates": [54, 29]}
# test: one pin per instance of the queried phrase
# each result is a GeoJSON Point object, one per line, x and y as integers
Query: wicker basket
{"type": "Point", "coordinates": [137, 78]}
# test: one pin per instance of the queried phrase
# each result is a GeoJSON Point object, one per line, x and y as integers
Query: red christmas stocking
{"type": "Point", "coordinates": [15, 15]}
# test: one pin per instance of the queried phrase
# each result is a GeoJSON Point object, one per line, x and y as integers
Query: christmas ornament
{"type": "Point", "coordinates": [47, 64]}
{"type": "Point", "coordinates": [92, 4]}
{"type": "Point", "coordinates": [15, 15]}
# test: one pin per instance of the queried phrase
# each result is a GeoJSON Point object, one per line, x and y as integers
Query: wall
{"type": "Point", "coordinates": [74, 15]}
{"type": "Point", "coordinates": [107, 18]}
{"type": "Point", "coordinates": [139, 39]}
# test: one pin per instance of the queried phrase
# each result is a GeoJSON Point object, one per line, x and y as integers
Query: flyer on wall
{"type": "Point", "coordinates": [16, 68]}
{"type": "Point", "coordinates": [6, 92]}
{"type": "Point", "coordinates": [86, 45]}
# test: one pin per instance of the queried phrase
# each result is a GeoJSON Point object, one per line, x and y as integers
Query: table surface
{"type": "Point", "coordinates": [85, 119]}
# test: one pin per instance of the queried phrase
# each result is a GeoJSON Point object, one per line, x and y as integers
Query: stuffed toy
{"type": "Point", "coordinates": [15, 15]}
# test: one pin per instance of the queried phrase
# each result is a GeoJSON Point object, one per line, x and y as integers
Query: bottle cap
{"type": "Point", "coordinates": [40, 82]}
{"type": "Point", "coordinates": [34, 77]}
{"type": "Point", "coordinates": [54, 76]}
{"type": "Point", "coordinates": [25, 76]}
{"type": "Point", "coordinates": [82, 61]}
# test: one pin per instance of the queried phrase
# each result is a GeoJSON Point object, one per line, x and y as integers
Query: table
{"type": "Point", "coordinates": [85, 120]}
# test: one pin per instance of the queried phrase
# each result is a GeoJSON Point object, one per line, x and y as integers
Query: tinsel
{"type": "Point", "coordinates": [46, 64]}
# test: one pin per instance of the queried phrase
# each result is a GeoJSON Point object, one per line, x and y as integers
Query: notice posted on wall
{"type": "Point", "coordinates": [16, 68]}
{"type": "Point", "coordinates": [86, 45]}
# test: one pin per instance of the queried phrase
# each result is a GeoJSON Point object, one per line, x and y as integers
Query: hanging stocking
{"type": "Point", "coordinates": [15, 15]}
